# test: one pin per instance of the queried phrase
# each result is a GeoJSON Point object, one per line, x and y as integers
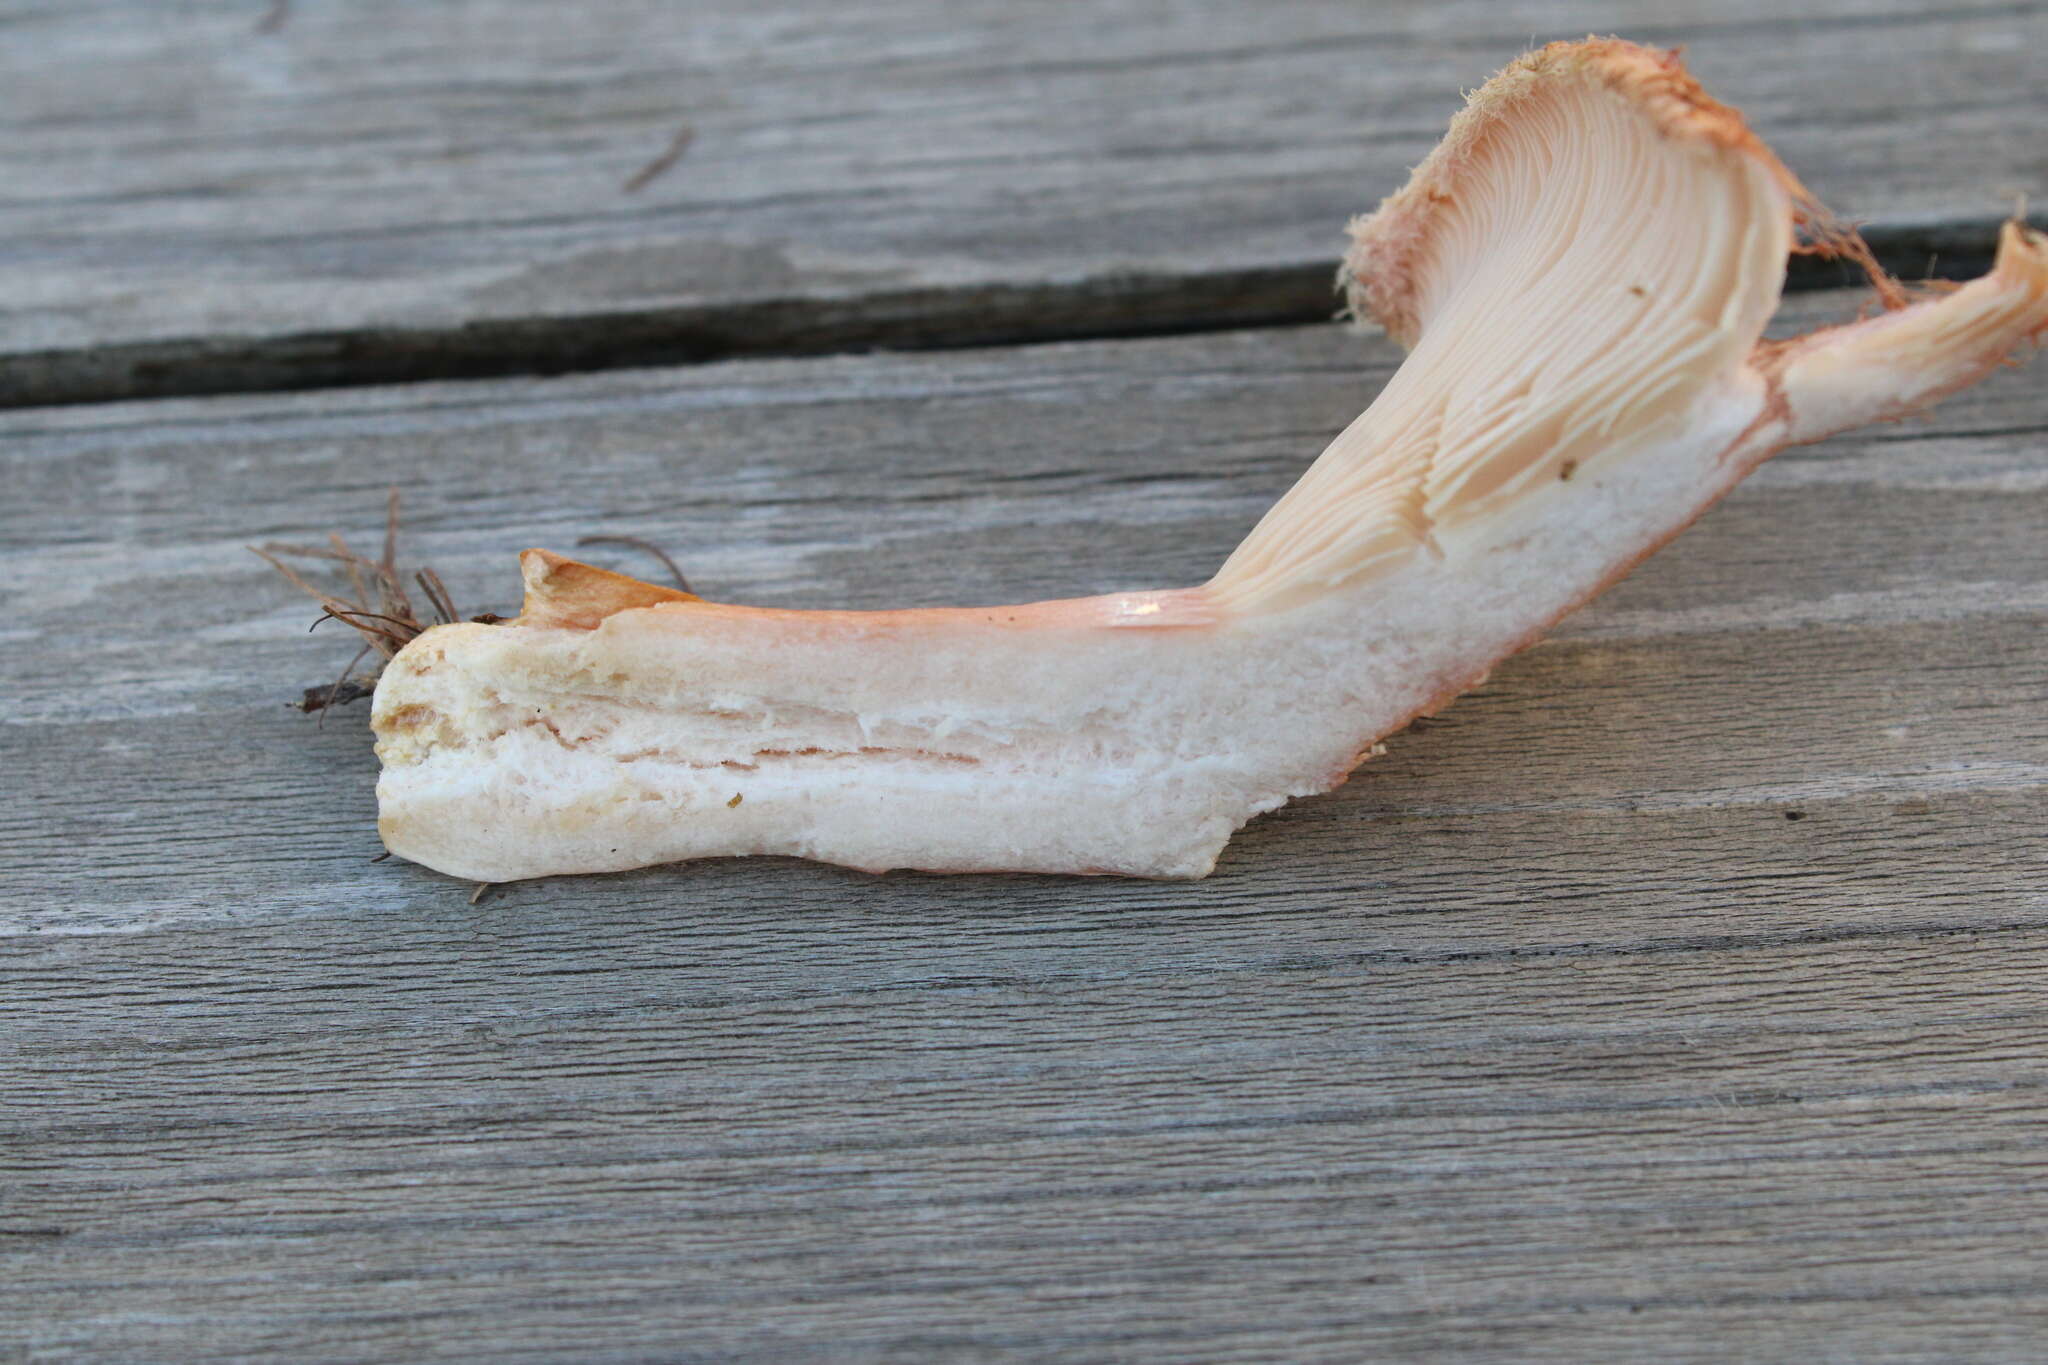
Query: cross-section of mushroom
{"type": "Point", "coordinates": [1581, 271]}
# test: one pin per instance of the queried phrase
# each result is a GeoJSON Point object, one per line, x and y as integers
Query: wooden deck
{"type": "Point", "coordinates": [1679, 995]}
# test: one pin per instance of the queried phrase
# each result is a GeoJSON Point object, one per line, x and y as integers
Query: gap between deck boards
{"type": "Point", "coordinates": [1119, 305]}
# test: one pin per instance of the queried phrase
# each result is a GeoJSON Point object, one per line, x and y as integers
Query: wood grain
{"type": "Point", "coordinates": [198, 199]}
{"type": "Point", "coordinates": [1675, 996]}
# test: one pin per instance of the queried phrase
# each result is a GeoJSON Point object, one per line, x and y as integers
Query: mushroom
{"type": "Point", "coordinates": [1581, 273]}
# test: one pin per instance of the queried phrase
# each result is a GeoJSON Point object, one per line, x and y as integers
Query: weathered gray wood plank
{"type": "Point", "coordinates": [1537, 1155]}
{"type": "Point", "coordinates": [1551, 1036]}
{"type": "Point", "coordinates": [382, 190]}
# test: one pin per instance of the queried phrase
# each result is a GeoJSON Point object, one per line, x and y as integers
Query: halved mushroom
{"type": "Point", "coordinates": [1581, 270]}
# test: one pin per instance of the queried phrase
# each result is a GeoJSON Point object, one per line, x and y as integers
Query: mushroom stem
{"type": "Point", "coordinates": [1899, 363]}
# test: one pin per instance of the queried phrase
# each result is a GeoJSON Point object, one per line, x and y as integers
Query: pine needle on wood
{"type": "Point", "coordinates": [378, 607]}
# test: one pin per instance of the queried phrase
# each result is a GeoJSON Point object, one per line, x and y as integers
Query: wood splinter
{"type": "Point", "coordinates": [1581, 272]}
